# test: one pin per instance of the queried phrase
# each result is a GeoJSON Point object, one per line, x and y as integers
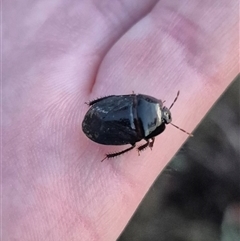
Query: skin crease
{"type": "Point", "coordinates": [58, 55]}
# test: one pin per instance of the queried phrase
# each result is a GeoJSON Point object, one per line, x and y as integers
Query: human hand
{"type": "Point", "coordinates": [58, 55]}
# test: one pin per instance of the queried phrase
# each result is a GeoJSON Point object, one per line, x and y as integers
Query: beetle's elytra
{"type": "Point", "coordinates": [126, 119]}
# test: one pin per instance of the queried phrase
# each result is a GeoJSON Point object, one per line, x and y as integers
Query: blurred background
{"type": "Point", "coordinates": [197, 196]}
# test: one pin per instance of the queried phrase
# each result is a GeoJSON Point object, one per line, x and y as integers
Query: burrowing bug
{"type": "Point", "coordinates": [126, 119]}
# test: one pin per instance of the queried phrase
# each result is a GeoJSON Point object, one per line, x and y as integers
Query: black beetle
{"type": "Point", "coordinates": [126, 119]}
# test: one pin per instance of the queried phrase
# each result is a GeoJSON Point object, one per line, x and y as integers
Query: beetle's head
{"type": "Point", "coordinates": [166, 115]}
{"type": "Point", "coordinates": [167, 118]}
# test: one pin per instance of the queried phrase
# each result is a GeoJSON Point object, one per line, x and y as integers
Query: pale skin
{"type": "Point", "coordinates": [58, 55]}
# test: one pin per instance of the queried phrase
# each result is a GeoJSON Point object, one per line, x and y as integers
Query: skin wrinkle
{"type": "Point", "coordinates": [191, 37]}
{"type": "Point", "coordinates": [51, 111]}
{"type": "Point", "coordinates": [83, 222]}
{"type": "Point", "coordinates": [129, 24]}
{"type": "Point", "coordinates": [69, 209]}
{"type": "Point", "coordinates": [108, 9]}
{"type": "Point", "coordinates": [186, 40]}
{"type": "Point", "coordinates": [80, 220]}
{"type": "Point", "coordinates": [89, 227]}
{"type": "Point", "coordinates": [122, 177]}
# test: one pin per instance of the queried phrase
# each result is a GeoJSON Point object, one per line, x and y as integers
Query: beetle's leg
{"type": "Point", "coordinates": [151, 143]}
{"type": "Point", "coordinates": [142, 147]}
{"type": "Point", "coordinates": [97, 100]}
{"type": "Point", "coordinates": [111, 155]}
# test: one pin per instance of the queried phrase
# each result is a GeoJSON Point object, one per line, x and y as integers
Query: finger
{"type": "Point", "coordinates": [170, 49]}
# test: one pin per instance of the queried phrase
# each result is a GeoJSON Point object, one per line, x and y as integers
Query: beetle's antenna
{"type": "Point", "coordinates": [174, 100]}
{"type": "Point", "coordinates": [182, 129]}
